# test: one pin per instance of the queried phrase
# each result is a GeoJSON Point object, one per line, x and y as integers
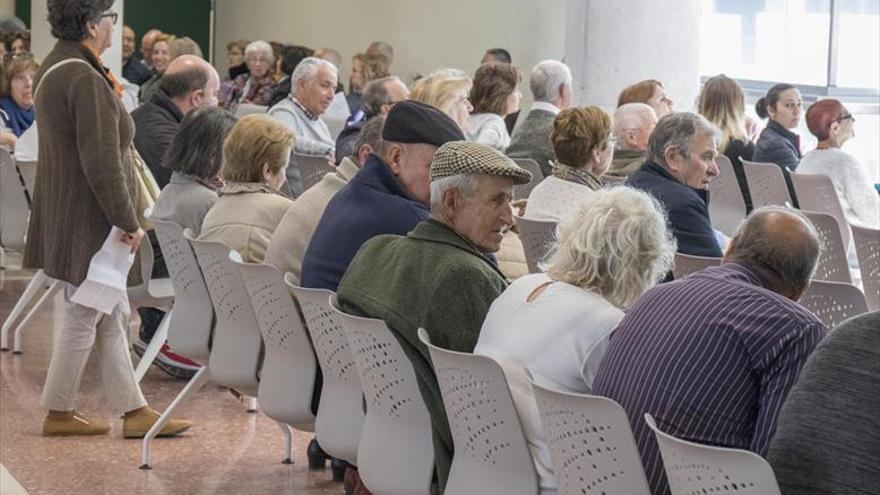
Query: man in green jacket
{"type": "Point", "coordinates": [441, 276]}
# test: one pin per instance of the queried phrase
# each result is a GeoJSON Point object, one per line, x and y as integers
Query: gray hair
{"type": "Point", "coordinates": [631, 116]}
{"type": "Point", "coordinates": [308, 69]}
{"type": "Point", "coordinates": [375, 94]}
{"type": "Point", "coordinates": [466, 184]}
{"type": "Point", "coordinates": [615, 244]}
{"type": "Point", "coordinates": [676, 130]}
{"type": "Point", "coordinates": [547, 77]}
{"type": "Point", "coordinates": [259, 47]}
{"type": "Point", "coordinates": [784, 258]}
{"type": "Point", "coordinates": [371, 133]}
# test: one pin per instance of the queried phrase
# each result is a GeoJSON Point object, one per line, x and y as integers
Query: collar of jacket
{"type": "Point", "coordinates": [432, 230]}
{"type": "Point", "coordinates": [245, 188]}
{"type": "Point", "coordinates": [347, 169]}
{"type": "Point", "coordinates": [73, 49]}
{"type": "Point", "coordinates": [162, 100]}
{"type": "Point", "coordinates": [627, 154]}
{"type": "Point", "coordinates": [376, 175]}
{"type": "Point", "coordinates": [782, 131]}
{"type": "Point", "coordinates": [657, 169]}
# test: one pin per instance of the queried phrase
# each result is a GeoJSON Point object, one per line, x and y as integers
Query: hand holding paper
{"type": "Point", "coordinates": [105, 284]}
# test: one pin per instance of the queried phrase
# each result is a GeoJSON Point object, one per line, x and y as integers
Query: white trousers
{"type": "Point", "coordinates": [81, 329]}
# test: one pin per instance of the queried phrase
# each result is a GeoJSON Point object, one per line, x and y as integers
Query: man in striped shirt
{"type": "Point", "coordinates": [712, 356]}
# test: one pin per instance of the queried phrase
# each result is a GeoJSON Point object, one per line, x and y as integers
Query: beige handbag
{"type": "Point", "coordinates": [148, 189]}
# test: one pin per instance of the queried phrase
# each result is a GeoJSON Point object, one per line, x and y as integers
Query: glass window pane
{"type": "Point", "coordinates": [768, 40]}
{"type": "Point", "coordinates": [858, 51]}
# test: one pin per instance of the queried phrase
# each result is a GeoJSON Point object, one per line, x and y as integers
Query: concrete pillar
{"type": "Point", "coordinates": [42, 40]}
{"type": "Point", "coordinates": [610, 45]}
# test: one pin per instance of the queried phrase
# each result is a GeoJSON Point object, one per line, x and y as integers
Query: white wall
{"type": "Point", "coordinates": [42, 40]}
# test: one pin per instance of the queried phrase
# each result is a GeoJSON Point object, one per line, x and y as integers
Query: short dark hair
{"type": "Point", "coordinates": [292, 55]}
{"type": "Point", "coordinates": [371, 133]}
{"type": "Point", "coordinates": [375, 95]}
{"type": "Point", "coordinates": [771, 99]}
{"type": "Point", "coordinates": [493, 83]}
{"type": "Point", "coordinates": [184, 82]}
{"type": "Point", "coordinates": [197, 149]}
{"type": "Point", "coordinates": [500, 55]}
{"type": "Point", "coordinates": [68, 18]}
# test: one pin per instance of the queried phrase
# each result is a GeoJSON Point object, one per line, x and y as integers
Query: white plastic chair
{"type": "Point", "coordinates": [287, 378]}
{"type": "Point", "coordinates": [833, 302]}
{"type": "Point", "coordinates": [249, 109]}
{"type": "Point", "coordinates": [766, 184]}
{"type": "Point", "coordinates": [340, 411]}
{"type": "Point", "coordinates": [592, 447]}
{"type": "Point", "coordinates": [522, 191]}
{"type": "Point", "coordinates": [833, 265]}
{"type": "Point", "coordinates": [491, 453]}
{"type": "Point", "coordinates": [39, 283]}
{"type": "Point", "coordinates": [727, 207]}
{"type": "Point", "coordinates": [312, 169]}
{"type": "Point", "coordinates": [815, 192]}
{"type": "Point", "coordinates": [867, 244]}
{"type": "Point", "coordinates": [693, 468]}
{"type": "Point", "coordinates": [685, 264]}
{"type": "Point", "coordinates": [395, 453]}
{"type": "Point", "coordinates": [536, 237]}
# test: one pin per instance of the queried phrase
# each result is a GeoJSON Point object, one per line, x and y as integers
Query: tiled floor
{"type": "Point", "coordinates": [228, 452]}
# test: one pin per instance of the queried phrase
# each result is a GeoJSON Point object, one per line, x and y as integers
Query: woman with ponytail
{"type": "Point", "coordinates": [777, 143]}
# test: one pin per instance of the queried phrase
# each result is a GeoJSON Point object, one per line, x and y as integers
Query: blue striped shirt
{"type": "Point", "coordinates": [711, 357]}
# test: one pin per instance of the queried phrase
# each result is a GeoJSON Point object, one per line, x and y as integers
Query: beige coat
{"type": "Point", "coordinates": [244, 219]}
{"type": "Point", "coordinates": [288, 245]}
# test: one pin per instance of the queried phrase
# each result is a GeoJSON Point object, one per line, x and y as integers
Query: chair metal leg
{"type": "Point", "coordinates": [153, 348]}
{"type": "Point", "coordinates": [288, 442]}
{"type": "Point", "coordinates": [194, 384]}
{"type": "Point", "coordinates": [50, 292]}
{"type": "Point", "coordinates": [35, 285]}
{"type": "Point", "coordinates": [250, 404]}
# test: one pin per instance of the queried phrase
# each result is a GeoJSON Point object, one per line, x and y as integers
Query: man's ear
{"type": "Point", "coordinates": [450, 200]}
{"type": "Point", "coordinates": [362, 153]}
{"type": "Point", "coordinates": [670, 154]}
{"type": "Point", "coordinates": [393, 158]}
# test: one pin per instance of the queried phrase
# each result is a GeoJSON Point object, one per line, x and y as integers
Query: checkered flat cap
{"type": "Point", "coordinates": [466, 157]}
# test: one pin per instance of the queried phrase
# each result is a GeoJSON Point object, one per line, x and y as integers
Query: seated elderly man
{"type": "Point", "coordinates": [550, 84]}
{"type": "Point", "coordinates": [291, 238]}
{"type": "Point", "coordinates": [713, 356]}
{"type": "Point", "coordinates": [313, 86]}
{"type": "Point", "coordinates": [389, 195]}
{"type": "Point", "coordinates": [440, 276]}
{"type": "Point", "coordinates": [633, 123]}
{"type": "Point", "coordinates": [189, 83]}
{"type": "Point", "coordinates": [378, 97]}
{"type": "Point", "coordinates": [679, 167]}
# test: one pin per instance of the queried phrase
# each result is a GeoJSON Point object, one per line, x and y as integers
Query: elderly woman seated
{"type": "Point", "coordinates": [610, 250]}
{"type": "Point", "coordinates": [255, 156]}
{"type": "Point", "coordinates": [17, 98]}
{"type": "Point", "coordinates": [255, 86]}
{"type": "Point", "coordinates": [584, 146]}
{"type": "Point", "coordinates": [494, 96]}
{"type": "Point", "coordinates": [446, 90]}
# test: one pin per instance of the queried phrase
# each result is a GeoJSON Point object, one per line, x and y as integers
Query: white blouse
{"type": "Point", "coordinates": [561, 336]}
{"type": "Point", "coordinates": [489, 129]}
{"type": "Point", "coordinates": [553, 199]}
{"type": "Point", "coordinates": [861, 203]}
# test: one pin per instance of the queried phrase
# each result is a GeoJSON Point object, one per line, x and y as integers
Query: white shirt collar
{"type": "Point", "coordinates": [543, 105]}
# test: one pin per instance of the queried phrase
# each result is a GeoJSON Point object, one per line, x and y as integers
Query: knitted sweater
{"type": "Point", "coordinates": [312, 135]}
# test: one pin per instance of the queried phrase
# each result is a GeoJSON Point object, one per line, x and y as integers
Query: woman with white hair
{"type": "Point", "coordinates": [610, 250]}
{"type": "Point", "coordinates": [255, 86]}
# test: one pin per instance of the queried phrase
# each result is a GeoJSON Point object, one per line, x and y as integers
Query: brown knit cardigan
{"type": "Point", "coordinates": [85, 182]}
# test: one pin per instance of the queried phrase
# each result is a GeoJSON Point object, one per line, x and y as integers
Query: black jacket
{"type": "Point", "coordinates": [156, 123]}
{"type": "Point", "coordinates": [135, 72]}
{"type": "Point", "coordinates": [778, 145]}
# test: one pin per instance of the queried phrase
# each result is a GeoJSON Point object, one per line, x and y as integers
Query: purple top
{"type": "Point", "coordinates": [711, 357]}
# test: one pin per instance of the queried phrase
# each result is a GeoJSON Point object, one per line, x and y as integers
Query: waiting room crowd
{"type": "Point", "coordinates": [415, 224]}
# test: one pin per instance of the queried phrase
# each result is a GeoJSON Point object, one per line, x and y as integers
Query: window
{"type": "Point", "coordinates": [858, 48]}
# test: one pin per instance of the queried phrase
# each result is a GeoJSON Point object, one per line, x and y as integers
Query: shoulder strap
{"type": "Point", "coordinates": [50, 69]}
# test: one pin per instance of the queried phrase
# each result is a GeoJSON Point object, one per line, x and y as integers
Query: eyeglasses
{"type": "Point", "coordinates": [845, 117]}
{"type": "Point", "coordinates": [114, 17]}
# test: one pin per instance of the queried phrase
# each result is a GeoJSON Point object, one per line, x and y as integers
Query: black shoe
{"type": "Point", "coordinates": [317, 456]}
{"type": "Point", "coordinates": [338, 467]}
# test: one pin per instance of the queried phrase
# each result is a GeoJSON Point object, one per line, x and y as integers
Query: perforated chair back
{"type": "Point", "coordinates": [341, 412]}
{"type": "Point", "coordinates": [522, 191]}
{"type": "Point", "coordinates": [287, 377]}
{"type": "Point", "coordinates": [491, 452]}
{"type": "Point", "coordinates": [592, 447]}
{"type": "Point", "coordinates": [250, 109]}
{"type": "Point", "coordinates": [685, 264]}
{"type": "Point", "coordinates": [727, 208]}
{"type": "Point", "coordinates": [766, 184]}
{"type": "Point", "coordinates": [815, 192]}
{"type": "Point", "coordinates": [867, 244]}
{"type": "Point", "coordinates": [693, 468]}
{"type": "Point", "coordinates": [536, 236]}
{"type": "Point", "coordinates": [192, 322]}
{"type": "Point", "coordinates": [14, 208]}
{"type": "Point", "coordinates": [150, 293]}
{"type": "Point", "coordinates": [833, 265]}
{"type": "Point", "coordinates": [833, 302]}
{"type": "Point", "coordinates": [312, 169]}
{"type": "Point", "coordinates": [395, 453]}
{"type": "Point", "coordinates": [236, 349]}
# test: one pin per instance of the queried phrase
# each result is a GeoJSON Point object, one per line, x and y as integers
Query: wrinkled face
{"type": "Point", "coordinates": [698, 168]}
{"type": "Point", "coordinates": [147, 46]}
{"type": "Point", "coordinates": [461, 111]}
{"type": "Point", "coordinates": [639, 136]}
{"type": "Point", "coordinates": [21, 88]}
{"type": "Point", "coordinates": [259, 64]}
{"type": "Point", "coordinates": [661, 103]}
{"type": "Point", "coordinates": [235, 56]}
{"type": "Point", "coordinates": [358, 78]}
{"type": "Point", "coordinates": [411, 164]}
{"type": "Point", "coordinates": [161, 56]}
{"type": "Point", "coordinates": [787, 111]}
{"type": "Point", "coordinates": [317, 93]}
{"type": "Point", "coordinates": [103, 31]}
{"type": "Point", "coordinates": [483, 216]}
{"type": "Point", "coordinates": [513, 100]}
{"type": "Point", "coordinates": [127, 42]}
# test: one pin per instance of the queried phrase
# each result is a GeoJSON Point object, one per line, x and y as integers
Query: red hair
{"type": "Point", "coordinates": [822, 114]}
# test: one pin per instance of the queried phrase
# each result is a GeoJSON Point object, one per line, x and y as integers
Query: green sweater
{"type": "Point", "coordinates": [434, 279]}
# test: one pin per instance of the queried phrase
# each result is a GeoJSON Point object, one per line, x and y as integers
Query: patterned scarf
{"type": "Point", "coordinates": [577, 175]}
{"type": "Point", "coordinates": [117, 88]}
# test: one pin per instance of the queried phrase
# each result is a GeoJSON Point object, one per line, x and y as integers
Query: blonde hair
{"type": "Point", "coordinates": [442, 90]}
{"type": "Point", "coordinates": [722, 102]}
{"type": "Point", "coordinates": [615, 244]}
{"type": "Point", "coordinates": [254, 141]}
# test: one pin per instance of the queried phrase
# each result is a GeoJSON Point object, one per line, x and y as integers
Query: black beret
{"type": "Point", "coordinates": [416, 122]}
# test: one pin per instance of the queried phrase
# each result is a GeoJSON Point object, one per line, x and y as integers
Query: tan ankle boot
{"type": "Point", "coordinates": [138, 424]}
{"type": "Point", "coordinates": [73, 424]}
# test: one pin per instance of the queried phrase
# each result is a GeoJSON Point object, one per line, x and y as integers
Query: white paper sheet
{"type": "Point", "coordinates": [105, 284]}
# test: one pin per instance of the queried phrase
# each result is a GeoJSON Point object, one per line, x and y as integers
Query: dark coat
{"type": "Point", "coordinates": [372, 203]}
{"type": "Point", "coordinates": [156, 123]}
{"type": "Point", "coordinates": [532, 140]}
{"type": "Point", "coordinates": [85, 183]}
{"type": "Point", "coordinates": [432, 279]}
{"type": "Point", "coordinates": [135, 72]}
{"type": "Point", "coordinates": [778, 145]}
{"type": "Point", "coordinates": [736, 149]}
{"type": "Point", "coordinates": [688, 209]}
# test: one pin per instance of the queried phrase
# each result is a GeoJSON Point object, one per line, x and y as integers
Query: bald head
{"type": "Point", "coordinates": [780, 245]}
{"type": "Point", "coordinates": [191, 83]}
{"type": "Point", "coordinates": [147, 44]}
{"type": "Point", "coordinates": [633, 123]}
{"type": "Point", "coordinates": [329, 55]}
